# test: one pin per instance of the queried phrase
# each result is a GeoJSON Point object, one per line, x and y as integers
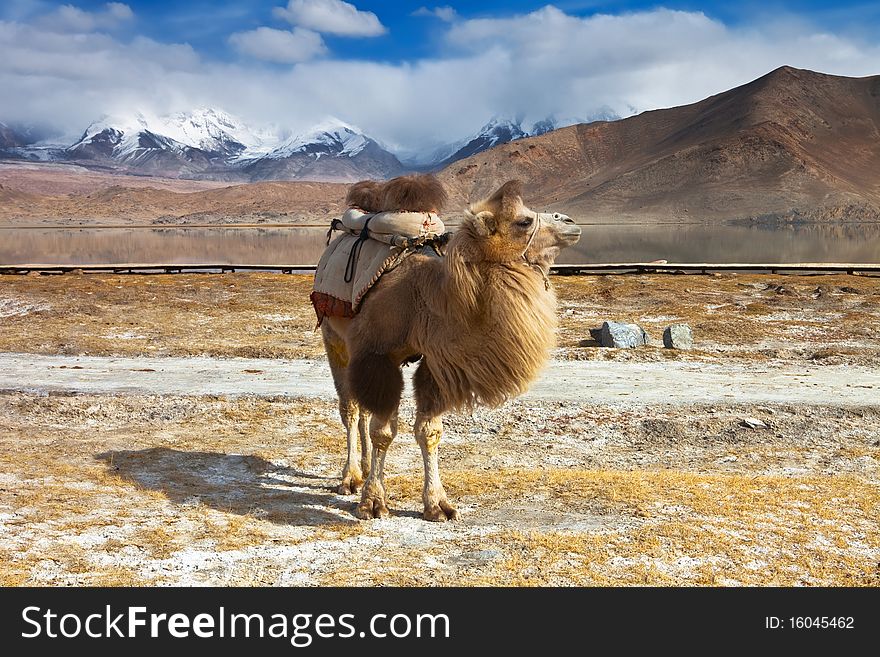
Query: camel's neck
{"type": "Point", "coordinates": [502, 320]}
{"type": "Point", "coordinates": [474, 288]}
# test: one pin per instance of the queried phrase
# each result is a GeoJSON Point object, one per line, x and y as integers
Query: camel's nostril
{"type": "Point", "coordinates": [569, 220]}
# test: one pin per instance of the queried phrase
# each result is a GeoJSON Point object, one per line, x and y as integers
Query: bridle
{"type": "Point", "coordinates": [536, 226]}
{"type": "Point", "coordinates": [536, 223]}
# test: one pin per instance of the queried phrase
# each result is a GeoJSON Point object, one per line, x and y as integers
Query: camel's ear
{"type": "Point", "coordinates": [484, 222]}
{"type": "Point", "coordinates": [510, 197]}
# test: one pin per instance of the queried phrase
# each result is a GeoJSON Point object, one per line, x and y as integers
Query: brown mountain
{"type": "Point", "coordinates": [791, 144]}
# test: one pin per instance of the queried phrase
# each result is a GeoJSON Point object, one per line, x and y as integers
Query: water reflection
{"type": "Point", "coordinates": [287, 246]}
{"type": "Point", "coordinates": [728, 243]}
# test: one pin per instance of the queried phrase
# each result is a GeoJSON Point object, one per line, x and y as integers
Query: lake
{"type": "Point", "coordinates": [285, 246]}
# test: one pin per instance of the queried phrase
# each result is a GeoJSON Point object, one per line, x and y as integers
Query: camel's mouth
{"type": "Point", "coordinates": [570, 233]}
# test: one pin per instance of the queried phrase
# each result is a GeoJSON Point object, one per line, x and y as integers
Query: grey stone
{"type": "Point", "coordinates": [595, 339]}
{"type": "Point", "coordinates": [678, 336]}
{"type": "Point", "coordinates": [754, 423]}
{"type": "Point", "coordinates": [623, 336]}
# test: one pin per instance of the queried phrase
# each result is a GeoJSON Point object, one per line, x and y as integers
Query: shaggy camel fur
{"type": "Point", "coordinates": [408, 193]}
{"type": "Point", "coordinates": [482, 320]}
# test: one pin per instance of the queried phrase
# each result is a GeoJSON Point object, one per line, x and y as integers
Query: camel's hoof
{"type": "Point", "coordinates": [371, 507]}
{"type": "Point", "coordinates": [440, 512]}
{"type": "Point", "coordinates": [349, 486]}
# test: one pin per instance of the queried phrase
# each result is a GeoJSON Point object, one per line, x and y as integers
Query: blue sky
{"type": "Point", "coordinates": [413, 74]}
{"type": "Point", "coordinates": [207, 24]}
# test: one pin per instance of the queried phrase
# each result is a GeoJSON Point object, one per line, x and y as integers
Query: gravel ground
{"type": "Point", "coordinates": [199, 443]}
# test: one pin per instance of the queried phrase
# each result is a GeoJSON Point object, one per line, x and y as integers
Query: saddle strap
{"type": "Point", "coordinates": [355, 252]}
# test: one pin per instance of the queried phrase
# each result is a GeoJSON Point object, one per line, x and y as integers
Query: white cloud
{"type": "Point", "coordinates": [283, 46]}
{"type": "Point", "coordinates": [445, 13]}
{"type": "Point", "coordinates": [533, 65]}
{"type": "Point", "coordinates": [69, 18]}
{"type": "Point", "coordinates": [332, 17]}
{"type": "Point", "coordinates": [120, 11]}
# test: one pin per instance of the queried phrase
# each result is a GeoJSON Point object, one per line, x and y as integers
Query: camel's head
{"type": "Point", "coordinates": [508, 230]}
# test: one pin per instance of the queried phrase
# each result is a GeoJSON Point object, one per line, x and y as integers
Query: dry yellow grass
{"type": "Point", "coordinates": [250, 315]}
{"type": "Point", "coordinates": [269, 315]}
{"type": "Point", "coordinates": [105, 481]}
{"type": "Point", "coordinates": [716, 520]}
{"type": "Point", "coordinates": [755, 530]}
{"type": "Point", "coordinates": [755, 315]}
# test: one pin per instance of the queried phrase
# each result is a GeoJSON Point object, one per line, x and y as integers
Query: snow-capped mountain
{"type": "Point", "coordinates": [208, 143]}
{"type": "Point", "coordinates": [217, 132]}
{"type": "Point", "coordinates": [130, 143]}
{"type": "Point", "coordinates": [194, 144]}
{"type": "Point", "coordinates": [211, 143]}
{"type": "Point", "coordinates": [497, 131]}
{"type": "Point", "coordinates": [502, 130]}
{"type": "Point", "coordinates": [116, 137]}
{"type": "Point", "coordinates": [331, 150]}
{"type": "Point", "coordinates": [332, 137]}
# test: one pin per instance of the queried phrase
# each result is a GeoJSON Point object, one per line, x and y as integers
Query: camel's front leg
{"type": "Point", "coordinates": [373, 502]}
{"type": "Point", "coordinates": [428, 431]}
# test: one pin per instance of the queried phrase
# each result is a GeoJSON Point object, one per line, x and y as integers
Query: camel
{"type": "Point", "coordinates": [480, 323]}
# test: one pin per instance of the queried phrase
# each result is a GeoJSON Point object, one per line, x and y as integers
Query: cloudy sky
{"type": "Point", "coordinates": [411, 74]}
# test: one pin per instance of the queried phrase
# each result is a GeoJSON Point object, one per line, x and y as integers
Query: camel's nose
{"type": "Point", "coordinates": [570, 231]}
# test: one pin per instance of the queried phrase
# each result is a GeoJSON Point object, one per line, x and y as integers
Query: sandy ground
{"type": "Point", "coordinates": [594, 382]}
{"type": "Point", "coordinates": [180, 430]}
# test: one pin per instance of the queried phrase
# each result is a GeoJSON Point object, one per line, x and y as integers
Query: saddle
{"type": "Point", "coordinates": [370, 244]}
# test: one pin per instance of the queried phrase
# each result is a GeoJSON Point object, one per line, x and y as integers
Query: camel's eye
{"type": "Point", "coordinates": [525, 223]}
{"type": "Point", "coordinates": [556, 215]}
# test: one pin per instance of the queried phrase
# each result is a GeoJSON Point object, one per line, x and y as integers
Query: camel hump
{"type": "Point", "coordinates": [366, 195]}
{"type": "Point", "coordinates": [415, 193]}
{"type": "Point", "coordinates": [412, 193]}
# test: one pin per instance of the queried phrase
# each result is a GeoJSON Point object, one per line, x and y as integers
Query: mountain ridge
{"type": "Point", "coordinates": [213, 144]}
{"type": "Point", "coordinates": [790, 141]}
{"type": "Point", "coordinates": [792, 145]}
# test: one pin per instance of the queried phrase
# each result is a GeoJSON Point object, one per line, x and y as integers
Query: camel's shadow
{"type": "Point", "coordinates": [245, 485]}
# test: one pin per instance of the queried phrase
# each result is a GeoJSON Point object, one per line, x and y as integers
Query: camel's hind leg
{"type": "Point", "coordinates": [428, 430]}
{"type": "Point", "coordinates": [353, 418]}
